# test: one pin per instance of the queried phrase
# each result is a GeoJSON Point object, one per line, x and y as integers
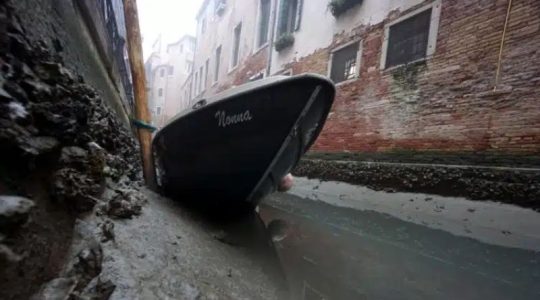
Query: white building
{"type": "Point", "coordinates": [227, 36]}
{"type": "Point", "coordinates": [237, 40]}
{"type": "Point", "coordinates": [166, 70]}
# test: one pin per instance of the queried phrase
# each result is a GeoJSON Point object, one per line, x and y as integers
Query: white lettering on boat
{"type": "Point", "coordinates": [225, 120]}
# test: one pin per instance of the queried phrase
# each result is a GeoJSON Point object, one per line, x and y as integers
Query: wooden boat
{"type": "Point", "coordinates": [233, 148]}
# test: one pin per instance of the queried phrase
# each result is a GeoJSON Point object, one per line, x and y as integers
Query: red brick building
{"type": "Point", "coordinates": [444, 75]}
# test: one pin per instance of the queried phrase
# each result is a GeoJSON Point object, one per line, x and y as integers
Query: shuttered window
{"type": "Point", "coordinates": [236, 45]}
{"type": "Point", "coordinates": [289, 16]}
{"type": "Point", "coordinates": [217, 64]}
{"type": "Point", "coordinates": [264, 21]}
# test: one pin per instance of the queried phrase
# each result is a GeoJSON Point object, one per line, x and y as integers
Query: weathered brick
{"type": "Point", "coordinates": [449, 102]}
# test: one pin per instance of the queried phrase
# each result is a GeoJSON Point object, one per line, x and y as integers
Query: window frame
{"type": "Point", "coordinates": [284, 72]}
{"type": "Point", "coordinates": [295, 26]}
{"type": "Point", "coordinates": [219, 7]}
{"type": "Point", "coordinates": [189, 66]}
{"type": "Point", "coordinates": [261, 73]}
{"type": "Point", "coordinates": [160, 92]}
{"type": "Point", "coordinates": [435, 7]}
{"type": "Point", "coordinates": [206, 66]}
{"type": "Point", "coordinates": [161, 72]}
{"type": "Point", "coordinates": [231, 65]}
{"type": "Point", "coordinates": [196, 83]}
{"type": "Point", "coordinates": [203, 25]}
{"type": "Point", "coordinates": [170, 70]}
{"type": "Point", "coordinates": [201, 87]}
{"type": "Point", "coordinates": [217, 64]}
{"type": "Point", "coordinates": [358, 60]}
{"type": "Point", "coordinates": [258, 46]}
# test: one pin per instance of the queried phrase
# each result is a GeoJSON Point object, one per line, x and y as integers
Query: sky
{"type": "Point", "coordinates": [170, 18]}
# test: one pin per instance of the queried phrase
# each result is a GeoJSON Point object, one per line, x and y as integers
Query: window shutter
{"type": "Point", "coordinates": [298, 15]}
{"type": "Point", "coordinates": [282, 24]}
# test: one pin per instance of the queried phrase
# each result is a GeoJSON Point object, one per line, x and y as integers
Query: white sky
{"type": "Point", "coordinates": [171, 18]}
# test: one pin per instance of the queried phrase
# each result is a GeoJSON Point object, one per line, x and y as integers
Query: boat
{"type": "Point", "coordinates": [232, 149]}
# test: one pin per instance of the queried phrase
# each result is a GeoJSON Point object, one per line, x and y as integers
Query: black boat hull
{"type": "Point", "coordinates": [235, 147]}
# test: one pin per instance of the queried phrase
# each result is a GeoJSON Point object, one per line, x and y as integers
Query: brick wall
{"type": "Point", "coordinates": [447, 102]}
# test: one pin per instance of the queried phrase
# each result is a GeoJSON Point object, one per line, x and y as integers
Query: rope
{"type": "Point", "coordinates": [498, 73]}
{"type": "Point", "coordinates": [143, 125]}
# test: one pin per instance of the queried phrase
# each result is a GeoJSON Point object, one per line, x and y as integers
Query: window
{"type": "Point", "coordinates": [158, 111]}
{"type": "Point", "coordinates": [256, 77]}
{"type": "Point", "coordinates": [189, 66]}
{"type": "Point", "coordinates": [160, 92]}
{"type": "Point", "coordinates": [196, 87]}
{"type": "Point", "coordinates": [220, 6]}
{"type": "Point", "coordinates": [411, 37]}
{"type": "Point", "coordinates": [236, 45]}
{"type": "Point", "coordinates": [161, 72]}
{"type": "Point", "coordinates": [289, 16]}
{"type": "Point", "coordinates": [264, 21]}
{"type": "Point", "coordinates": [171, 70]}
{"type": "Point", "coordinates": [218, 62]}
{"type": "Point", "coordinates": [203, 26]}
{"type": "Point", "coordinates": [200, 79]}
{"type": "Point", "coordinates": [181, 48]}
{"type": "Point", "coordinates": [344, 63]}
{"type": "Point", "coordinates": [408, 39]}
{"type": "Point", "coordinates": [206, 66]}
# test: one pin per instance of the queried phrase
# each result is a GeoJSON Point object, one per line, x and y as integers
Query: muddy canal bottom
{"type": "Point", "coordinates": [336, 241]}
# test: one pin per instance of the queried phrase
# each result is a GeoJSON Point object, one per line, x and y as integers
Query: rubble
{"type": "Point", "coordinates": [14, 211]}
{"type": "Point", "coordinates": [107, 231]}
{"type": "Point", "coordinates": [7, 255]}
{"type": "Point", "coordinates": [87, 265]}
{"type": "Point", "coordinates": [81, 278]}
{"type": "Point", "coordinates": [125, 204]}
{"type": "Point", "coordinates": [98, 289]}
{"type": "Point", "coordinates": [59, 134]}
{"type": "Point", "coordinates": [513, 186]}
{"type": "Point", "coordinates": [75, 189]}
{"type": "Point", "coordinates": [59, 288]}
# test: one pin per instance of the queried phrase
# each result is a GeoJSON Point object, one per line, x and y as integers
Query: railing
{"type": "Point", "coordinates": [116, 43]}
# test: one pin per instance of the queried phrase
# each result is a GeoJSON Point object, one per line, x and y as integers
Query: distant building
{"type": "Point", "coordinates": [166, 71]}
{"type": "Point", "coordinates": [410, 74]}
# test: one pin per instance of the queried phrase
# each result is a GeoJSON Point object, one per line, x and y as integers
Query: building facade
{"type": "Point", "coordinates": [410, 74]}
{"type": "Point", "coordinates": [166, 71]}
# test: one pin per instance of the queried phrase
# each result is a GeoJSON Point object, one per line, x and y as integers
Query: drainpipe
{"type": "Point", "coordinates": [271, 41]}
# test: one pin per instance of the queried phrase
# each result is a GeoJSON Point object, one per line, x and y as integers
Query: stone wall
{"type": "Point", "coordinates": [62, 27]}
{"type": "Point", "coordinates": [447, 102]}
{"type": "Point", "coordinates": [64, 150]}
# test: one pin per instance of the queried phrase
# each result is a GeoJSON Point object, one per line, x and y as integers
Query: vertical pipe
{"type": "Point", "coordinates": [139, 87]}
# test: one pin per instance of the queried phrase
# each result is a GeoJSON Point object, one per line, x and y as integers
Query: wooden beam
{"type": "Point", "coordinates": [139, 88]}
